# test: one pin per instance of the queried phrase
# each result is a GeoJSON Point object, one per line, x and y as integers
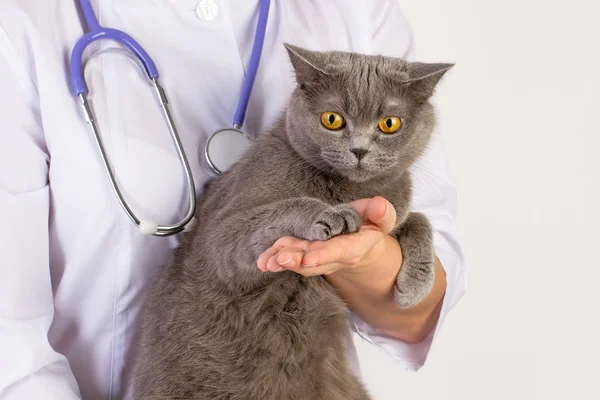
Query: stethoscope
{"type": "Point", "coordinates": [223, 148]}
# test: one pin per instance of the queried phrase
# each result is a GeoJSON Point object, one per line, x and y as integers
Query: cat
{"type": "Point", "coordinates": [215, 327]}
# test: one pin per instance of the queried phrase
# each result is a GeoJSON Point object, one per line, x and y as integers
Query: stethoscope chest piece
{"type": "Point", "coordinates": [225, 147]}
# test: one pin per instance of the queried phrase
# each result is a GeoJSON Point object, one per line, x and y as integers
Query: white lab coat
{"type": "Point", "coordinates": [74, 269]}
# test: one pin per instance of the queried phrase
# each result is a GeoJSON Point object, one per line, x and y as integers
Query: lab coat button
{"type": "Point", "coordinates": [207, 10]}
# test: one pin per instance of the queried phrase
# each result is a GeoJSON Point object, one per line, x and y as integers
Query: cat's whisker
{"type": "Point", "coordinates": [426, 171]}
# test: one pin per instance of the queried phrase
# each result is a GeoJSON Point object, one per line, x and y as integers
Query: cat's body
{"type": "Point", "coordinates": [217, 328]}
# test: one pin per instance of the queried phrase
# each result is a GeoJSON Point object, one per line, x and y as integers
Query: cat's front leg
{"type": "Point", "coordinates": [416, 277]}
{"type": "Point", "coordinates": [304, 217]}
{"type": "Point", "coordinates": [240, 238]}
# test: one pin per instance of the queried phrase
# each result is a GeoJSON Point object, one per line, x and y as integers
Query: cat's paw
{"type": "Point", "coordinates": [334, 221]}
{"type": "Point", "coordinates": [414, 283]}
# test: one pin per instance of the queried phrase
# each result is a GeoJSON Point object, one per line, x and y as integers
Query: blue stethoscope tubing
{"type": "Point", "coordinates": [259, 40]}
{"type": "Point", "coordinates": [234, 139]}
{"type": "Point", "coordinates": [80, 90]}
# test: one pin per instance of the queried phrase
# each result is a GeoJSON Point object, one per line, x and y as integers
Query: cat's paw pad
{"type": "Point", "coordinates": [338, 220]}
{"type": "Point", "coordinates": [414, 283]}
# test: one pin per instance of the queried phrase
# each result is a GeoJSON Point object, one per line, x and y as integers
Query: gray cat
{"type": "Point", "coordinates": [217, 328]}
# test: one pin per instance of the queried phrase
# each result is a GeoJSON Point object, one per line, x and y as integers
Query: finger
{"type": "Point", "coordinates": [345, 249]}
{"type": "Point", "coordinates": [273, 265]}
{"type": "Point", "coordinates": [361, 206]}
{"type": "Point", "coordinates": [290, 257]}
{"type": "Point", "coordinates": [286, 258]}
{"type": "Point", "coordinates": [262, 260]}
{"type": "Point", "coordinates": [381, 213]}
{"type": "Point", "coordinates": [377, 211]}
{"type": "Point", "coordinates": [340, 249]}
{"type": "Point", "coordinates": [290, 241]}
{"type": "Point", "coordinates": [320, 270]}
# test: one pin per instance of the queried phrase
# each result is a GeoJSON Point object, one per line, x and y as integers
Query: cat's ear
{"type": "Point", "coordinates": [423, 78]}
{"type": "Point", "coordinates": [307, 64]}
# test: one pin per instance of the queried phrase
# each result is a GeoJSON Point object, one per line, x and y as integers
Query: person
{"type": "Point", "coordinates": [75, 269]}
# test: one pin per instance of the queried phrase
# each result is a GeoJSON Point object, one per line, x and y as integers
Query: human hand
{"type": "Point", "coordinates": [356, 251]}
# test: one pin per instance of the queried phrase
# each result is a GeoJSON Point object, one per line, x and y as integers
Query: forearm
{"type": "Point", "coordinates": [370, 294]}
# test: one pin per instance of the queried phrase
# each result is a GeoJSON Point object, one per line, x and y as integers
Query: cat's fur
{"type": "Point", "coordinates": [217, 328]}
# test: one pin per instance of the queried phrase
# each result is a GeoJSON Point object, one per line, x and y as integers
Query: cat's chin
{"type": "Point", "coordinates": [358, 174]}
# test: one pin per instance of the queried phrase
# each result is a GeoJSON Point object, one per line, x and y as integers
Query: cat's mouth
{"type": "Point", "coordinates": [352, 168]}
{"type": "Point", "coordinates": [358, 172]}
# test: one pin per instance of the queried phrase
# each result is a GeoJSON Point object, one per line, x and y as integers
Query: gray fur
{"type": "Point", "coordinates": [217, 328]}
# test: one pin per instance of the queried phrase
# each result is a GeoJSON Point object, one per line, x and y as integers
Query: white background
{"type": "Point", "coordinates": [520, 118]}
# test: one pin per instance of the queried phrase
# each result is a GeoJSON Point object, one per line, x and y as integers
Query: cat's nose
{"type": "Point", "coordinates": [359, 153]}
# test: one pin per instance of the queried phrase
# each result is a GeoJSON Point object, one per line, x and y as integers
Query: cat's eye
{"type": "Point", "coordinates": [332, 120]}
{"type": "Point", "coordinates": [390, 124]}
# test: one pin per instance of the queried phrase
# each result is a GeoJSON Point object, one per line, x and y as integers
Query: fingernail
{"type": "Point", "coordinates": [286, 261]}
{"type": "Point", "coordinates": [309, 265]}
{"type": "Point", "coordinates": [279, 269]}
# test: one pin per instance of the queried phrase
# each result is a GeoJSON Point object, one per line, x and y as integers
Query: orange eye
{"type": "Point", "coordinates": [332, 120]}
{"type": "Point", "coordinates": [390, 124]}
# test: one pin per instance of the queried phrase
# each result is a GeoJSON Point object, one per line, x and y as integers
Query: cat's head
{"type": "Point", "coordinates": [360, 116]}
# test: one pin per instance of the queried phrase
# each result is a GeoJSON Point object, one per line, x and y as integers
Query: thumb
{"type": "Point", "coordinates": [377, 211]}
